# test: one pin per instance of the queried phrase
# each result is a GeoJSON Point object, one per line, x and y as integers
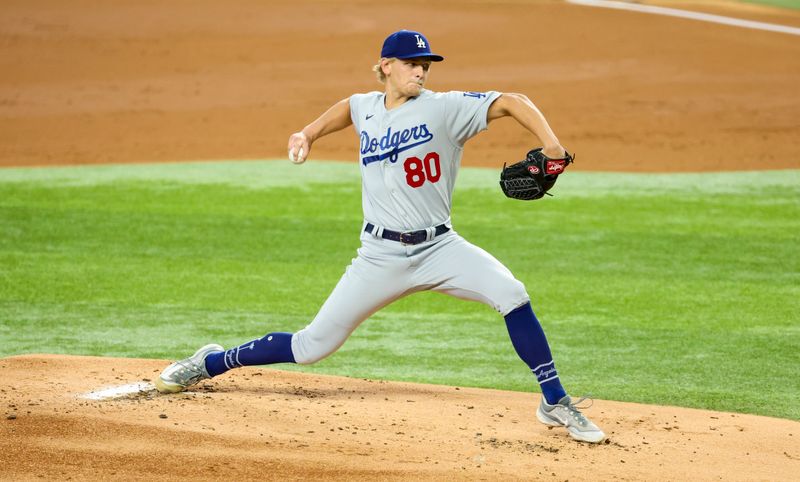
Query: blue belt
{"type": "Point", "coordinates": [408, 237]}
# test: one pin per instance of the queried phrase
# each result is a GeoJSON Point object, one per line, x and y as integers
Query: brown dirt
{"type": "Point", "coordinates": [95, 82]}
{"type": "Point", "coordinates": [270, 424]}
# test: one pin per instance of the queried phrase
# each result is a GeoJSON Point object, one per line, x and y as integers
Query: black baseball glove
{"type": "Point", "coordinates": [532, 178]}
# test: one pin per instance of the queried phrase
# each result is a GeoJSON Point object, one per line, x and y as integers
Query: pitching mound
{"type": "Point", "coordinates": [99, 418]}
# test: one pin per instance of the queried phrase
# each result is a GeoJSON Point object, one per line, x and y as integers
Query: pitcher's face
{"type": "Point", "coordinates": [408, 76]}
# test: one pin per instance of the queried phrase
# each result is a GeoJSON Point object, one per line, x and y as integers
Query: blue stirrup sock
{"type": "Point", "coordinates": [531, 345]}
{"type": "Point", "coordinates": [271, 348]}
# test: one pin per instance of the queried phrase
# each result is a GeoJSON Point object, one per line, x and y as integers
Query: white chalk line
{"type": "Point", "coordinates": [674, 12]}
{"type": "Point", "coordinates": [118, 391]}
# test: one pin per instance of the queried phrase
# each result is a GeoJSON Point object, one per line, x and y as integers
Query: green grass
{"type": "Point", "coordinates": [777, 3]}
{"type": "Point", "coordinates": [668, 289]}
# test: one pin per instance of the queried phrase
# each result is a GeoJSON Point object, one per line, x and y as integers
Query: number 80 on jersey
{"type": "Point", "coordinates": [420, 170]}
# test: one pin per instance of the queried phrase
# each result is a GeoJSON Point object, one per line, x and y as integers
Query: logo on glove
{"type": "Point", "coordinates": [533, 169]}
{"type": "Point", "coordinates": [556, 167]}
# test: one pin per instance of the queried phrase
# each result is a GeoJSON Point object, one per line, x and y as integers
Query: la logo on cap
{"type": "Point", "coordinates": [408, 44]}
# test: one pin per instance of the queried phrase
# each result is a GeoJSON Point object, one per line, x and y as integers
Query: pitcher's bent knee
{"type": "Point", "coordinates": [514, 296]}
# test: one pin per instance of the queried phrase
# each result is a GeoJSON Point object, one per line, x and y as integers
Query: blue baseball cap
{"type": "Point", "coordinates": [407, 44]}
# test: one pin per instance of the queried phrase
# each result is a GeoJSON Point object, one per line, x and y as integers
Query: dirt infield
{"type": "Point", "coordinates": [95, 82]}
{"type": "Point", "coordinates": [268, 424]}
{"type": "Point", "coordinates": [99, 82]}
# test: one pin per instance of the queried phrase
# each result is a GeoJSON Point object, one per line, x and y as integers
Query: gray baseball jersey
{"type": "Point", "coordinates": [410, 155]}
{"type": "Point", "coordinates": [409, 158]}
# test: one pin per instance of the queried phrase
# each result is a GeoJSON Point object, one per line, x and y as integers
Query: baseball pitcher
{"type": "Point", "coordinates": [410, 146]}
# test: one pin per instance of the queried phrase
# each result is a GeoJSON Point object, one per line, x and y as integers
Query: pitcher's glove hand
{"type": "Point", "coordinates": [532, 178]}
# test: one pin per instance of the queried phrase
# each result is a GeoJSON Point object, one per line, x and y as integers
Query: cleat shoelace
{"type": "Point", "coordinates": [575, 410]}
{"type": "Point", "coordinates": [186, 369]}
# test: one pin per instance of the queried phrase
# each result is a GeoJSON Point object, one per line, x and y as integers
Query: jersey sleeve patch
{"type": "Point", "coordinates": [466, 113]}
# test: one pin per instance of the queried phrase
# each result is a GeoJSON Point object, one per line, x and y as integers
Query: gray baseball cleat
{"type": "Point", "coordinates": [565, 413]}
{"type": "Point", "coordinates": [184, 373]}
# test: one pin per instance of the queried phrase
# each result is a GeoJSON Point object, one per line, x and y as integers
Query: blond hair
{"type": "Point", "coordinates": [379, 71]}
